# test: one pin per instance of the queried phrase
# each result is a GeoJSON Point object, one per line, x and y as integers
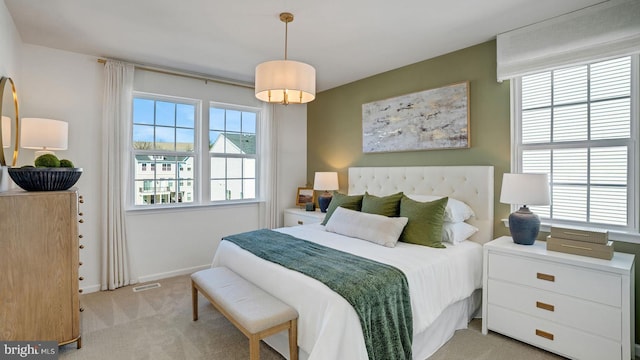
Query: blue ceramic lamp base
{"type": "Point", "coordinates": [524, 226]}
{"type": "Point", "coordinates": [323, 201]}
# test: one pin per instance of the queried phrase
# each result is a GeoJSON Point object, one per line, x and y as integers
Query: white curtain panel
{"type": "Point", "coordinates": [601, 31]}
{"type": "Point", "coordinates": [268, 167]}
{"type": "Point", "coordinates": [116, 118]}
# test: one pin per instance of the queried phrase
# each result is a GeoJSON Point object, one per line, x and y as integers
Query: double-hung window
{"type": "Point", "coordinates": [183, 156]}
{"type": "Point", "coordinates": [232, 150]}
{"type": "Point", "coordinates": [580, 126]}
{"type": "Point", "coordinates": [164, 149]}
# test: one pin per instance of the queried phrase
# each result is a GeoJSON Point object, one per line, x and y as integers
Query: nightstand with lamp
{"type": "Point", "coordinates": [325, 181]}
{"type": "Point", "coordinates": [524, 189]}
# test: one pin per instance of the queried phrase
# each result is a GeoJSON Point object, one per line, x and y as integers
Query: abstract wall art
{"type": "Point", "coordinates": [425, 120]}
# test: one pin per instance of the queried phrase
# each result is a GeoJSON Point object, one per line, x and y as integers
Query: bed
{"type": "Point", "coordinates": [444, 290]}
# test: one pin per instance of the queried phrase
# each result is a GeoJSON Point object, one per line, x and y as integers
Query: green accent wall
{"type": "Point", "coordinates": [334, 124]}
{"type": "Point", "coordinates": [334, 119]}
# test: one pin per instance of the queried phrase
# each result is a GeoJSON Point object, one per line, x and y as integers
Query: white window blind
{"type": "Point", "coordinates": [576, 125]}
{"type": "Point", "coordinates": [605, 30]}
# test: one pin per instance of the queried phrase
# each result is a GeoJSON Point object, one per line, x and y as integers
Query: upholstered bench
{"type": "Point", "coordinates": [254, 312]}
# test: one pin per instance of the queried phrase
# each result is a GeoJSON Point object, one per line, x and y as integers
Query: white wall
{"type": "Point", "coordinates": [9, 45]}
{"type": "Point", "coordinates": [172, 242]}
{"type": "Point", "coordinates": [68, 86]}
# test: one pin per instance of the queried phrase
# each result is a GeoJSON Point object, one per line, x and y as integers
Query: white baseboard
{"type": "Point", "coordinates": [152, 277]}
{"type": "Point", "coordinates": [168, 274]}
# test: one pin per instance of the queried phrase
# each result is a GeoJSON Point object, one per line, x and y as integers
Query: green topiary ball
{"type": "Point", "coordinates": [47, 160]}
{"type": "Point", "coordinates": [66, 163]}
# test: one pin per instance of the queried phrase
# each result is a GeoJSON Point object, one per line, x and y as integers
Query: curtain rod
{"type": "Point", "coordinates": [186, 75]}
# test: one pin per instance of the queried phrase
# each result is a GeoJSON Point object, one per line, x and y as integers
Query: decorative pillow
{"type": "Point", "coordinates": [386, 205]}
{"type": "Point", "coordinates": [456, 211]}
{"type": "Point", "coordinates": [425, 221]}
{"type": "Point", "coordinates": [353, 202]}
{"type": "Point", "coordinates": [378, 229]}
{"type": "Point", "coordinates": [455, 233]}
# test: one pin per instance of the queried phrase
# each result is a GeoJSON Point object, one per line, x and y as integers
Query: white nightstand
{"type": "Point", "coordinates": [296, 216]}
{"type": "Point", "coordinates": [575, 306]}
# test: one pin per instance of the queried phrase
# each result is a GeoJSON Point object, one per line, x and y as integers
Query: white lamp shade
{"type": "Point", "coordinates": [285, 81]}
{"type": "Point", "coordinates": [326, 181]}
{"type": "Point", "coordinates": [43, 134]}
{"type": "Point", "coordinates": [525, 189]}
{"type": "Point", "coordinates": [6, 132]}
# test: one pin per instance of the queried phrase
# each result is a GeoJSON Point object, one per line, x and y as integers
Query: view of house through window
{"type": "Point", "coordinates": [168, 160]}
{"type": "Point", "coordinates": [575, 124]}
{"type": "Point", "coordinates": [232, 149]}
{"type": "Point", "coordinates": [163, 150]}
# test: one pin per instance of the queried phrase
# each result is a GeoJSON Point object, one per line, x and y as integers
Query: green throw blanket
{"type": "Point", "coordinates": [378, 292]}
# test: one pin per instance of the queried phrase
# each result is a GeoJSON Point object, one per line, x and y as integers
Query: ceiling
{"type": "Point", "coordinates": [345, 40]}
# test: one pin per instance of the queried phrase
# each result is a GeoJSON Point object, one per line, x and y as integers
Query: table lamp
{"type": "Point", "coordinates": [43, 135]}
{"type": "Point", "coordinates": [524, 189]}
{"type": "Point", "coordinates": [325, 181]}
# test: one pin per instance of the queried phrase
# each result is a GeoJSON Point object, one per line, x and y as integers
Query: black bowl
{"type": "Point", "coordinates": [45, 179]}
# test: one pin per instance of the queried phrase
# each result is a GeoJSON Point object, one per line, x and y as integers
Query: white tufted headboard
{"type": "Point", "coordinates": [471, 184]}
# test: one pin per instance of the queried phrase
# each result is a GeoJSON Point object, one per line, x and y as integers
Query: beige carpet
{"type": "Point", "coordinates": [156, 324]}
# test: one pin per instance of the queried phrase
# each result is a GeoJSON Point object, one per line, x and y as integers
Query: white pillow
{"type": "Point", "coordinates": [455, 233]}
{"type": "Point", "coordinates": [378, 229]}
{"type": "Point", "coordinates": [456, 211]}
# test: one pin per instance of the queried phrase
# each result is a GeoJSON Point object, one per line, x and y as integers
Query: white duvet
{"type": "Point", "coordinates": [328, 327]}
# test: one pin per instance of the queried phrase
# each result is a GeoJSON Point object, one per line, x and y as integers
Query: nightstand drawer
{"type": "Point", "coordinates": [573, 281]}
{"type": "Point", "coordinates": [295, 217]}
{"type": "Point", "coordinates": [591, 317]}
{"type": "Point", "coordinates": [551, 336]}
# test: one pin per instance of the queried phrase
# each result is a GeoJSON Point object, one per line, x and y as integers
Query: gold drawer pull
{"type": "Point", "coordinates": [544, 334]}
{"type": "Point", "coordinates": [300, 222]}
{"type": "Point", "coordinates": [81, 278]}
{"type": "Point", "coordinates": [81, 309]}
{"type": "Point", "coordinates": [81, 246]}
{"type": "Point", "coordinates": [546, 277]}
{"type": "Point", "coordinates": [81, 221]}
{"type": "Point", "coordinates": [544, 306]}
{"type": "Point", "coordinates": [80, 291]}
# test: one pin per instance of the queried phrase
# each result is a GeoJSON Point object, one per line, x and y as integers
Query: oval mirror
{"type": "Point", "coordinates": [9, 121]}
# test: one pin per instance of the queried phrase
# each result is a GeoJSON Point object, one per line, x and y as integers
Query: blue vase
{"type": "Point", "coordinates": [524, 226]}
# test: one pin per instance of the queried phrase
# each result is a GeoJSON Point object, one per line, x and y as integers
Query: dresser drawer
{"type": "Point", "coordinates": [587, 316]}
{"type": "Point", "coordinates": [573, 281]}
{"type": "Point", "coordinates": [551, 336]}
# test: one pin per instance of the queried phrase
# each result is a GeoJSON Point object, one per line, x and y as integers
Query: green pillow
{"type": "Point", "coordinates": [353, 202]}
{"type": "Point", "coordinates": [386, 205]}
{"type": "Point", "coordinates": [425, 221]}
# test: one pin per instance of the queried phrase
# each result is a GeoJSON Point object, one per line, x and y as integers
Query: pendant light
{"type": "Point", "coordinates": [285, 81]}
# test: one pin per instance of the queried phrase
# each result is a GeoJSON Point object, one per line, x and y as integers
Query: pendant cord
{"type": "Point", "coordinates": [286, 35]}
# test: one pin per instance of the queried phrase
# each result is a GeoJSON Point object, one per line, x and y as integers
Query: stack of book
{"type": "Point", "coordinates": [593, 242]}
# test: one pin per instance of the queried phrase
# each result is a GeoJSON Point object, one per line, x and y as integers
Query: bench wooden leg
{"type": "Point", "coordinates": [293, 340]}
{"type": "Point", "coordinates": [194, 300]}
{"type": "Point", "coordinates": [254, 347]}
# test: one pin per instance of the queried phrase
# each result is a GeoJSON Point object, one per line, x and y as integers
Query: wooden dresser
{"type": "Point", "coordinates": [578, 307]}
{"type": "Point", "coordinates": [40, 257]}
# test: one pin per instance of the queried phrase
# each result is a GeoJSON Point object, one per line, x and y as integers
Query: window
{"type": "Point", "coordinates": [232, 150]}
{"type": "Point", "coordinates": [579, 125]}
{"type": "Point", "coordinates": [164, 132]}
{"type": "Point", "coordinates": [183, 156]}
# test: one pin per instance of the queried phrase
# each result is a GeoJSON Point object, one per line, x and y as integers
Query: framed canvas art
{"type": "Point", "coordinates": [425, 120]}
